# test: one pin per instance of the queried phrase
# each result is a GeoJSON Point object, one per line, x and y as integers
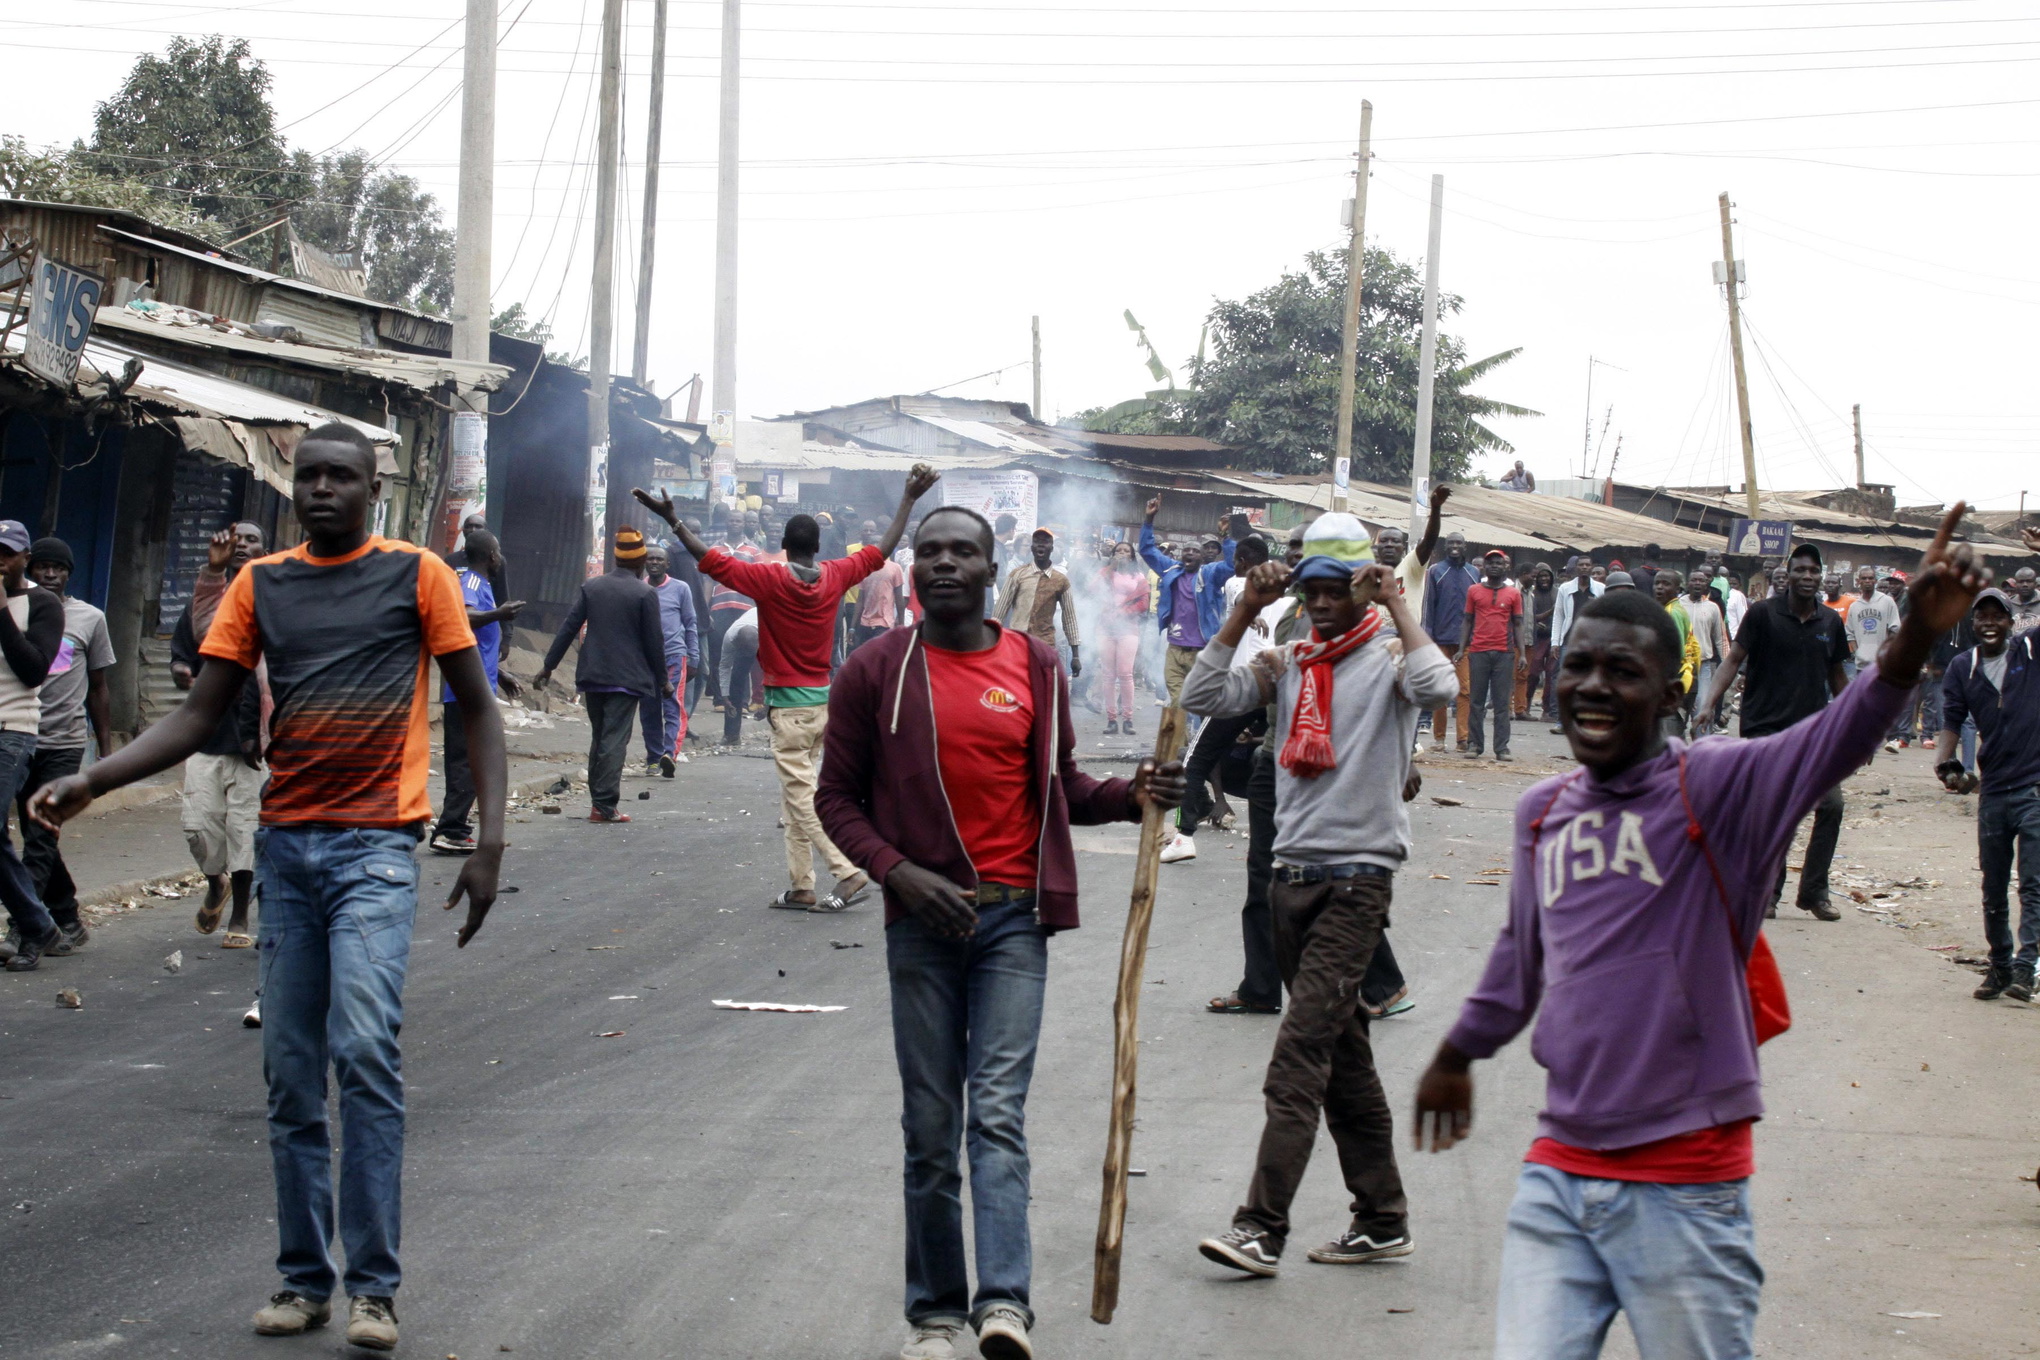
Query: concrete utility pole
{"type": "Point", "coordinates": [467, 472]}
{"type": "Point", "coordinates": [1856, 413]}
{"type": "Point", "coordinates": [1742, 382]}
{"type": "Point", "coordinates": [722, 402]}
{"type": "Point", "coordinates": [1427, 366]}
{"type": "Point", "coordinates": [655, 114]}
{"type": "Point", "coordinates": [1342, 455]}
{"type": "Point", "coordinates": [1037, 370]}
{"type": "Point", "coordinates": [602, 305]}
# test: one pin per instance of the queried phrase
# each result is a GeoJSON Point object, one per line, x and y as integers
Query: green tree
{"type": "Point", "coordinates": [194, 127]}
{"type": "Point", "coordinates": [1270, 384]}
{"type": "Point", "coordinates": [56, 176]}
{"type": "Point", "coordinates": [195, 124]}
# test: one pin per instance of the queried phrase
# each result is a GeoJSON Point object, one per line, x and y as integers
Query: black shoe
{"type": "Point", "coordinates": [28, 954]}
{"type": "Point", "coordinates": [1995, 980]}
{"type": "Point", "coordinates": [666, 765]}
{"type": "Point", "coordinates": [1354, 1247]}
{"type": "Point", "coordinates": [75, 933]}
{"type": "Point", "coordinates": [1112, 728]}
{"type": "Point", "coordinates": [1823, 910]}
{"type": "Point", "coordinates": [1244, 1249]}
{"type": "Point", "coordinates": [2021, 988]}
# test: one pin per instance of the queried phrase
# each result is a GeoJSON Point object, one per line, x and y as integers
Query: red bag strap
{"type": "Point", "coordinates": [1698, 835]}
{"type": "Point", "coordinates": [1537, 826]}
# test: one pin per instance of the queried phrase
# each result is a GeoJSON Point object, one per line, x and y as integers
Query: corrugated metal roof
{"type": "Point", "coordinates": [979, 432]}
{"type": "Point", "coordinates": [1507, 519]}
{"type": "Point", "coordinates": [190, 391]}
{"type": "Point", "coordinates": [264, 276]}
{"type": "Point", "coordinates": [420, 372]}
{"type": "Point", "coordinates": [833, 457]}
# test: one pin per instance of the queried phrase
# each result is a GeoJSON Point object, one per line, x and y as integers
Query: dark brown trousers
{"type": "Point", "coordinates": [1325, 935]}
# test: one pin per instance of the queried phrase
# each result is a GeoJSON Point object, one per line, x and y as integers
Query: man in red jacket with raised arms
{"type": "Point", "coordinates": [952, 778]}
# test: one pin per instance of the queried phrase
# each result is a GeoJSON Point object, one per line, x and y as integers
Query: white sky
{"type": "Point", "coordinates": [920, 178]}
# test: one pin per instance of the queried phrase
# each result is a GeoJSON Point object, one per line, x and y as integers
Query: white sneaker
{"type": "Point", "coordinates": [1002, 1334]}
{"type": "Point", "coordinates": [1179, 848]}
{"type": "Point", "coordinates": [934, 1339]}
{"type": "Point", "coordinates": [253, 1019]}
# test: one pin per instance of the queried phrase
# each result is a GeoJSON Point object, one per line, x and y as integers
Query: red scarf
{"type": "Point", "coordinates": [1308, 752]}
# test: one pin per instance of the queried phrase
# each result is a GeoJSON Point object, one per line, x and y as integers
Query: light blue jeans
{"type": "Point", "coordinates": [337, 906]}
{"type": "Point", "coordinates": [1679, 1260]}
{"type": "Point", "coordinates": [966, 1022]}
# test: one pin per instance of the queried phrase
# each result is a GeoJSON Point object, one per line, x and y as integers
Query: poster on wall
{"type": "Point", "coordinates": [467, 473]}
{"type": "Point", "coordinates": [992, 494]}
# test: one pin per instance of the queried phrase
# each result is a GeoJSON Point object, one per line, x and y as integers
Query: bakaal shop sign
{"type": "Point", "coordinates": [63, 301]}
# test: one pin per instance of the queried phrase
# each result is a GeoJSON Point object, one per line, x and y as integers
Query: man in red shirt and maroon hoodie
{"type": "Point", "coordinates": [798, 601]}
{"type": "Point", "coordinates": [951, 776]}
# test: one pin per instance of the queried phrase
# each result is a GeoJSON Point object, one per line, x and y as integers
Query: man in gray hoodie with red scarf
{"type": "Point", "coordinates": [1640, 886]}
{"type": "Point", "coordinates": [950, 776]}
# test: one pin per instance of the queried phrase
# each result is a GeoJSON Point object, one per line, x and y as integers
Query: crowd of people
{"type": "Point", "coordinates": [923, 684]}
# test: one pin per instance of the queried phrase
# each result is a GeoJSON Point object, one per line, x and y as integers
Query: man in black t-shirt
{"type": "Point", "coordinates": [1794, 646]}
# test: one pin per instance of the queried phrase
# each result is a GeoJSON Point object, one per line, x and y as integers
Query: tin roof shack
{"type": "Point", "coordinates": [1840, 523]}
{"type": "Point", "coordinates": [1084, 477]}
{"type": "Point", "coordinates": [538, 471]}
{"type": "Point", "coordinates": [197, 381]}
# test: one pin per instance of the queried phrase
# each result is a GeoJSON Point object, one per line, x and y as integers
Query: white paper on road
{"type": "Point", "coordinates": [788, 1006]}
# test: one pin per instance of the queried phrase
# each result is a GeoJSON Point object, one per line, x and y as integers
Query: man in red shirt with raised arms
{"type": "Point", "coordinates": [798, 601]}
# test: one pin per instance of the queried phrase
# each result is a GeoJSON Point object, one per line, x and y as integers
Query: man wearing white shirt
{"type": "Point", "coordinates": [1573, 592]}
{"type": "Point", "coordinates": [1872, 618]}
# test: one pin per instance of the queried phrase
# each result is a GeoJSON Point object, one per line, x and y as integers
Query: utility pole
{"type": "Point", "coordinates": [722, 404]}
{"type": "Point", "coordinates": [467, 472]}
{"type": "Point", "coordinates": [602, 306]}
{"type": "Point", "coordinates": [655, 113]}
{"type": "Point", "coordinates": [1037, 371]}
{"type": "Point", "coordinates": [1349, 334]}
{"type": "Point", "coordinates": [1427, 364]}
{"type": "Point", "coordinates": [1856, 412]}
{"type": "Point", "coordinates": [1742, 382]}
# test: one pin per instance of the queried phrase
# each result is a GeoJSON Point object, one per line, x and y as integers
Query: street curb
{"type": "Point", "coordinates": [530, 786]}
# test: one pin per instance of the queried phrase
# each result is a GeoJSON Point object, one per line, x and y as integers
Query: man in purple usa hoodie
{"type": "Point", "coordinates": [1640, 884]}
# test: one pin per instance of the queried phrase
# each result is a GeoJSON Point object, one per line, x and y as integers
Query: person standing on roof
{"type": "Point", "coordinates": [798, 604]}
{"type": "Point", "coordinates": [1192, 592]}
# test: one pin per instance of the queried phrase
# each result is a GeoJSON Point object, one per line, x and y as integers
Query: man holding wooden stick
{"type": "Point", "coordinates": [950, 776]}
{"type": "Point", "coordinates": [1346, 698]}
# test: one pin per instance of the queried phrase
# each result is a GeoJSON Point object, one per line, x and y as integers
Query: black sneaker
{"type": "Point", "coordinates": [666, 766]}
{"type": "Point", "coordinates": [1246, 1249]}
{"type": "Point", "coordinates": [75, 933]}
{"type": "Point", "coordinates": [1995, 980]}
{"type": "Point", "coordinates": [2021, 988]}
{"type": "Point", "coordinates": [1354, 1247]}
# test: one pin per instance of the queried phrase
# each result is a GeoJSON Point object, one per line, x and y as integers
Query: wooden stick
{"type": "Point", "coordinates": [1126, 1033]}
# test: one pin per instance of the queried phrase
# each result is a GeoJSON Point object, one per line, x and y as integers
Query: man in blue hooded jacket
{"type": "Point", "coordinates": [1193, 592]}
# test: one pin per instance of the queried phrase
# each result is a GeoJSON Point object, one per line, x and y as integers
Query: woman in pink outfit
{"type": "Point", "coordinates": [1125, 583]}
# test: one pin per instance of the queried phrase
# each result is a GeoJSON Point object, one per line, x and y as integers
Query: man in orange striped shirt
{"type": "Point", "coordinates": [347, 623]}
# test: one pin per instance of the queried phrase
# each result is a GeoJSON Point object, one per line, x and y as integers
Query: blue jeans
{"type": "Point", "coordinates": [337, 905]}
{"type": "Point", "coordinates": [966, 1022]}
{"type": "Point", "coordinates": [1680, 1260]}
{"type": "Point", "coordinates": [659, 715]}
{"type": "Point", "coordinates": [25, 909]}
{"type": "Point", "coordinates": [2008, 822]}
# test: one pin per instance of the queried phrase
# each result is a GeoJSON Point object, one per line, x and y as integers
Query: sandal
{"type": "Point", "coordinates": [215, 905]}
{"type": "Point", "coordinates": [857, 894]}
{"type": "Point", "coordinates": [1395, 1005]}
{"type": "Point", "coordinates": [1230, 1004]}
{"type": "Point", "coordinates": [785, 902]}
{"type": "Point", "coordinates": [830, 903]}
{"type": "Point", "coordinates": [234, 939]}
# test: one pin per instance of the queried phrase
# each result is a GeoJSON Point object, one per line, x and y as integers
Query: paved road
{"type": "Point", "coordinates": [716, 1185]}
